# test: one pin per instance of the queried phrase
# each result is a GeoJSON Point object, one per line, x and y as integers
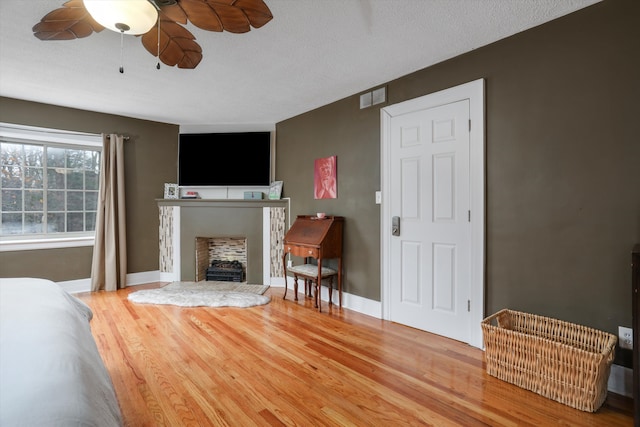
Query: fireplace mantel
{"type": "Point", "coordinates": [226, 203]}
{"type": "Point", "coordinates": [262, 222]}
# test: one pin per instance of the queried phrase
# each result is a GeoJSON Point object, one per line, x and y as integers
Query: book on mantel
{"type": "Point", "coordinates": [190, 195]}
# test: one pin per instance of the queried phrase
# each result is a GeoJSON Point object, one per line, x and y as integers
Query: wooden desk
{"type": "Point", "coordinates": [312, 237]}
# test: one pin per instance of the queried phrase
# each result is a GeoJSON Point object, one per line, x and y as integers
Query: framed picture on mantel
{"type": "Point", "coordinates": [171, 191]}
{"type": "Point", "coordinates": [275, 190]}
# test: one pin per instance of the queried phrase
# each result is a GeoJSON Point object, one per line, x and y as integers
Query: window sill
{"type": "Point", "coordinates": [27, 245]}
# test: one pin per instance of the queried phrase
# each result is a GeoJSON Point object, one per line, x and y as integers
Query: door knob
{"type": "Point", "coordinates": [395, 226]}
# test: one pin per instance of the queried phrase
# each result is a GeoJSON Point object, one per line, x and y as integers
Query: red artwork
{"type": "Point", "coordinates": [325, 178]}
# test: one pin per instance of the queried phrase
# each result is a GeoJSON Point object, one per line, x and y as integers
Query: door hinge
{"type": "Point", "coordinates": [469, 216]}
{"type": "Point", "coordinates": [469, 305]}
{"type": "Point", "coordinates": [469, 125]}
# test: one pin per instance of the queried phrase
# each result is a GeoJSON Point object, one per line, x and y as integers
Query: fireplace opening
{"type": "Point", "coordinates": [231, 252]}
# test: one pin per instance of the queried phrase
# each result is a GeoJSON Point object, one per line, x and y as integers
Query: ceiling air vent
{"type": "Point", "coordinates": [376, 96]}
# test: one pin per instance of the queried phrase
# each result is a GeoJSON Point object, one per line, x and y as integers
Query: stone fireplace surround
{"type": "Point", "coordinates": [261, 223]}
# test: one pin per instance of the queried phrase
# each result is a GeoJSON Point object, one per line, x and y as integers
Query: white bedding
{"type": "Point", "coordinates": [51, 373]}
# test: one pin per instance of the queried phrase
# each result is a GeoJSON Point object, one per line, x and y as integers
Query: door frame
{"type": "Point", "coordinates": [474, 92]}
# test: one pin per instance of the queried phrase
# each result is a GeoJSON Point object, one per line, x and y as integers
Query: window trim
{"type": "Point", "coordinates": [46, 243]}
{"type": "Point", "coordinates": [31, 134]}
{"type": "Point", "coordinates": [46, 135]}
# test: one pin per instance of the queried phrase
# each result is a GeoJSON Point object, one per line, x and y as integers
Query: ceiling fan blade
{"type": "Point", "coordinates": [226, 15]}
{"type": "Point", "coordinates": [190, 57]}
{"type": "Point", "coordinates": [202, 15]}
{"type": "Point", "coordinates": [256, 10]}
{"type": "Point", "coordinates": [174, 13]}
{"type": "Point", "coordinates": [72, 21]}
{"type": "Point", "coordinates": [177, 45]}
{"type": "Point", "coordinates": [233, 19]}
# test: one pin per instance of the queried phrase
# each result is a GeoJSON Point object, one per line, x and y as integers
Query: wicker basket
{"type": "Point", "coordinates": [559, 360]}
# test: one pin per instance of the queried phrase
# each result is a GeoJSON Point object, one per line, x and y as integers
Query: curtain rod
{"type": "Point", "coordinates": [126, 138]}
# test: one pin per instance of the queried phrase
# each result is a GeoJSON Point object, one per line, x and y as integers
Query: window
{"type": "Point", "coordinates": [48, 184]}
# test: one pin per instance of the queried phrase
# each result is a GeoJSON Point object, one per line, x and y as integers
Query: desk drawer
{"type": "Point", "coordinates": [301, 251]}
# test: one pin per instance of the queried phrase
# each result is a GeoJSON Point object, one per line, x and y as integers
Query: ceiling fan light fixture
{"type": "Point", "coordinates": [123, 16]}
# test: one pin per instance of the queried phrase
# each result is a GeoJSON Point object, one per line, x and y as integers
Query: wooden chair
{"type": "Point", "coordinates": [309, 272]}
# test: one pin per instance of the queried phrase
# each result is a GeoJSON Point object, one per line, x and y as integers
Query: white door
{"type": "Point", "coordinates": [429, 198]}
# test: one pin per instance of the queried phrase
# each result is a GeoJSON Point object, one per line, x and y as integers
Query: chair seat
{"type": "Point", "coordinates": [311, 270]}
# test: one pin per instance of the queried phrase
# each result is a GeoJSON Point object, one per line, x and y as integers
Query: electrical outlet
{"type": "Point", "coordinates": [625, 337]}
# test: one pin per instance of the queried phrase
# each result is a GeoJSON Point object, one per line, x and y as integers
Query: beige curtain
{"type": "Point", "coordinates": [109, 266]}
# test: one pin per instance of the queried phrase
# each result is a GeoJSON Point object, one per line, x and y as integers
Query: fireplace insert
{"type": "Point", "coordinates": [225, 271]}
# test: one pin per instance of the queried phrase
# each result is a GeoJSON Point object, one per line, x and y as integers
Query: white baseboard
{"type": "Point", "coordinates": [75, 286]}
{"type": "Point", "coordinates": [277, 282]}
{"type": "Point", "coordinates": [167, 277]}
{"type": "Point", "coordinates": [133, 279]}
{"type": "Point", "coordinates": [352, 302]}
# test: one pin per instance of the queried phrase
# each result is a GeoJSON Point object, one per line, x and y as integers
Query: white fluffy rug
{"type": "Point", "coordinates": [208, 294]}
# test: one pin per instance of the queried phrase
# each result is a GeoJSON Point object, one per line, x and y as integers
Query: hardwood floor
{"type": "Point", "coordinates": [286, 364]}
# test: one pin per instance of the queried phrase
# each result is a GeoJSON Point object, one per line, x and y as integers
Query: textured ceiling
{"type": "Point", "coordinates": [312, 53]}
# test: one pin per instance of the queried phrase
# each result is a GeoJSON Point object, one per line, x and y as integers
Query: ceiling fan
{"type": "Point", "coordinates": [158, 22]}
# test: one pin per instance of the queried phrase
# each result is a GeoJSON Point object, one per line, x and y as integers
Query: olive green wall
{"type": "Point", "coordinates": [562, 165]}
{"type": "Point", "coordinates": [151, 160]}
{"type": "Point", "coordinates": [339, 129]}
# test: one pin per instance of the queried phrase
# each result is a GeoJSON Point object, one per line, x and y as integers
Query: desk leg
{"type": "Point", "coordinates": [284, 264]}
{"type": "Point", "coordinates": [318, 285]}
{"type": "Point", "coordinates": [330, 290]}
{"type": "Point", "coordinates": [307, 282]}
{"type": "Point", "coordinates": [340, 281]}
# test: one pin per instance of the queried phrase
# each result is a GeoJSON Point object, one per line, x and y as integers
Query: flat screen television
{"type": "Point", "coordinates": [224, 159]}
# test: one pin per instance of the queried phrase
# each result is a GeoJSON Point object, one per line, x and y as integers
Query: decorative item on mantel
{"type": "Point", "coordinates": [190, 195]}
{"type": "Point", "coordinates": [253, 195]}
{"type": "Point", "coordinates": [171, 191]}
{"type": "Point", "coordinates": [275, 190]}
